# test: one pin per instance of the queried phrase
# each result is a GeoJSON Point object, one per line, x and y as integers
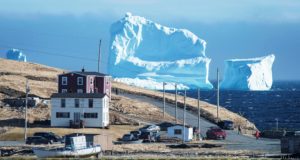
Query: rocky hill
{"type": "Point", "coordinates": [43, 82]}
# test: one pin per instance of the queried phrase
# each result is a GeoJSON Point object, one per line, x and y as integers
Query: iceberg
{"type": "Point", "coordinates": [144, 51]}
{"type": "Point", "coordinates": [15, 54]}
{"type": "Point", "coordinates": [254, 74]}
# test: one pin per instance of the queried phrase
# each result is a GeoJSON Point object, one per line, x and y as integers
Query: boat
{"type": "Point", "coordinates": [76, 148]}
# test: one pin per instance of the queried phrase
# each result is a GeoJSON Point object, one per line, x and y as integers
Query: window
{"type": "Point", "coordinates": [91, 90]}
{"type": "Point", "coordinates": [79, 80]}
{"type": "Point", "coordinates": [64, 90]}
{"type": "Point", "coordinates": [76, 103]}
{"type": "Point", "coordinates": [62, 115]}
{"type": "Point", "coordinates": [64, 80]}
{"type": "Point", "coordinates": [63, 103]}
{"type": "Point", "coordinates": [79, 91]}
{"type": "Point", "coordinates": [90, 115]}
{"type": "Point", "coordinates": [91, 80]}
{"type": "Point", "coordinates": [177, 131]}
{"type": "Point", "coordinates": [90, 103]}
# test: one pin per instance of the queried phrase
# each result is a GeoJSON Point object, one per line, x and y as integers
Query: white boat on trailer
{"type": "Point", "coordinates": [77, 148]}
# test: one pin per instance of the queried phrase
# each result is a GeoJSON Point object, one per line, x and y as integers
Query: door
{"type": "Point", "coordinates": [76, 118]}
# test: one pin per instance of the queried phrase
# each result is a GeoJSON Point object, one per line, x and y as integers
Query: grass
{"type": "Point", "coordinates": [17, 133]}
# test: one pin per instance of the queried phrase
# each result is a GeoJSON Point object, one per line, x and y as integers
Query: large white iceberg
{"type": "Point", "coordinates": [141, 49]}
{"type": "Point", "coordinates": [15, 54]}
{"type": "Point", "coordinates": [253, 74]}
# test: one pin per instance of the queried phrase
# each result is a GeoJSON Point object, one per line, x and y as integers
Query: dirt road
{"type": "Point", "coordinates": [234, 141]}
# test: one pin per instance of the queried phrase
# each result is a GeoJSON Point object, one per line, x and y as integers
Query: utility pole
{"type": "Point", "coordinates": [175, 102]}
{"type": "Point", "coordinates": [184, 109]}
{"type": "Point", "coordinates": [218, 94]}
{"type": "Point", "coordinates": [26, 103]}
{"type": "Point", "coordinates": [199, 113]}
{"type": "Point", "coordinates": [164, 98]}
{"type": "Point", "coordinates": [99, 55]}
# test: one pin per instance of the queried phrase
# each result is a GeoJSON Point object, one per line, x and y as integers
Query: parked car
{"type": "Point", "coordinates": [150, 136]}
{"type": "Point", "coordinates": [226, 124]}
{"type": "Point", "coordinates": [50, 136]}
{"type": "Point", "coordinates": [150, 128]}
{"type": "Point", "coordinates": [136, 134]}
{"type": "Point", "coordinates": [215, 133]}
{"type": "Point", "coordinates": [37, 140]}
{"type": "Point", "coordinates": [165, 125]}
{"type": "Point", "coordinates": [128, 137]}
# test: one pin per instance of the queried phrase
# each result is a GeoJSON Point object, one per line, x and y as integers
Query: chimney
{"type": "Point", "coordinates": [82, 70]}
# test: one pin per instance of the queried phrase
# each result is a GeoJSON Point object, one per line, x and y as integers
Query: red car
{"type": "Point", "coordinates": [215, 133]}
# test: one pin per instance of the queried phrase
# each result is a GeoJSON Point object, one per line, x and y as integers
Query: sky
{"type": "Point", "coordinates": [66, 33]}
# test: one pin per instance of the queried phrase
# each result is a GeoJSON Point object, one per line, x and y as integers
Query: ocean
{"type": "Point", "coordinates": [280, 105]}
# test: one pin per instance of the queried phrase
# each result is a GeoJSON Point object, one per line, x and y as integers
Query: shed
{"type": "Point", "coordinates": [177, 131]}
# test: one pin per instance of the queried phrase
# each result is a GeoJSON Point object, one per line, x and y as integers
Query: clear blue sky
{"type": "Point", "coordinates": [231, 28]}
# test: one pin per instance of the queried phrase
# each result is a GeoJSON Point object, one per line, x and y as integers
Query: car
{"type": "Point", "coordinates": [150, 128]}
{"type": "Point", "coordinates": [165, 125]}
{"type": "Point", "coordinates": [128, 137]}
{"type": "Point", "coordinates": [37, 140]}
{"type": "Point", "coordinates": [136, 134]}
{"type": "Point", "coordinates": [150, 136]}
{"type": "Point", "coordinates": [226, 124]}
{"type": "Point", "coordinates": [215, 133]}
{"type": "Point", "coordinates": [50, 136]}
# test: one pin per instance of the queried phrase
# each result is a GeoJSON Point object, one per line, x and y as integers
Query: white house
{"type": "Point", "coordinates": [90, 109]}
{"type": "Point", "coordinates": [177, 131]}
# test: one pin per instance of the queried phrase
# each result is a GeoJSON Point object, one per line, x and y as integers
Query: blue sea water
{"type": "Point", "coordinates": [282, 102]}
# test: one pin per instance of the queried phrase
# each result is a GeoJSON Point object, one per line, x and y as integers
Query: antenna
{"type": "Point", "coordinates": [99, 55]}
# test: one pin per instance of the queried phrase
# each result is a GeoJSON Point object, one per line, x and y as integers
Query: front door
{"type": "Point", "coordinates": [76, 118]}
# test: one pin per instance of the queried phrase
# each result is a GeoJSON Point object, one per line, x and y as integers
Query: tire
{"type": "Point", "coordinates": [99, 155]}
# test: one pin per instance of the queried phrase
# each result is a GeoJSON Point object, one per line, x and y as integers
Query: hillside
{"type": "Point", "coordinates": [43, 82]}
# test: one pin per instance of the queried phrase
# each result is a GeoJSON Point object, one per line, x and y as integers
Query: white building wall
{"type": "Point", "coordinates": [100, 106]}
{"type": "Point", "coordinates": [188, 133]}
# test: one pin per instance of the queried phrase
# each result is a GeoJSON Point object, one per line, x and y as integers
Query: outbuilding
{"type": "Point", "coordinates": [177, 131]}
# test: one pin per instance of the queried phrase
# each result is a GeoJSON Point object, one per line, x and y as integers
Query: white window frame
{"type": "Point", "coordinates": [78, 80]}
{"type": "Point", "coordinates": [79, 90]}
{"type": "Point", "coordinates": [64, 90]}
{"type": "Point", "coordinates": [64, 80]}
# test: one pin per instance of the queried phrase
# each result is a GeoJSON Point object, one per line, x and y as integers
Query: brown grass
{"type": "Point", "coordinates": [117, 131]}
{"type": "Point", "coordinates": [42, 80]}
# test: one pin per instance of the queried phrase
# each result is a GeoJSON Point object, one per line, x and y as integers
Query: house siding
{"type": "Point", "coordinates": [71, 86]}
{"type": "Point", "coordinates": [100, 106]}
{"type": "Point", "coordinates": [99, 84]}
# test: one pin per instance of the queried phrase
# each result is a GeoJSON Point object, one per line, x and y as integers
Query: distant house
{"type": "Point", "coordinates": [82, 100]}
{"type": "Point", "coordinates": [177, 131]}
